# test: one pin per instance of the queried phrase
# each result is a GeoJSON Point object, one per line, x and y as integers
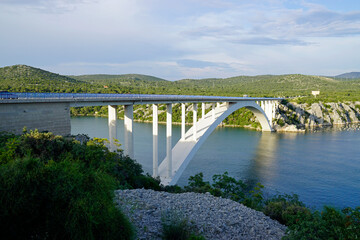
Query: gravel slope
{"type": "Point", "coordinates": [213, 217]}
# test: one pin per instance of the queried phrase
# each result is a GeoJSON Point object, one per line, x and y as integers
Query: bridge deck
{"type": "Point", "coordinates": [93, 99]}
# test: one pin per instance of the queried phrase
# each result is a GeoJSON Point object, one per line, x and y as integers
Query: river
{"type": "Point", "coordinates": [322, 167]}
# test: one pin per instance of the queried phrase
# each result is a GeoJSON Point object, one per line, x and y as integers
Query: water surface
{"type": "Point", "coordinates": [323, 168]}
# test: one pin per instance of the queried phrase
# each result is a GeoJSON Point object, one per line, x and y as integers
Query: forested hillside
{"type": "Point", "coordinates": [104, 78]}
{"type": "Point", "coordinates": [24, 78]}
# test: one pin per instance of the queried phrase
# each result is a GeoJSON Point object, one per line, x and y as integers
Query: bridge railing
{"type": "Point", "coordinates": [32, 95]}
{"type": "Point", "coordinates": [126, 97]}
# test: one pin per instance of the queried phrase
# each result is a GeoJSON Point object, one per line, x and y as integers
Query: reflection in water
{"type": "Point", "coordinates": [264, 159]}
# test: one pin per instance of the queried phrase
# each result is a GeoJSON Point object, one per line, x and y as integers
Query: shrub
{"type": "Point", "coordinates": [177, 227]}
{"type": "Point", "coordinates": [284, 208]}
{"type": "Point", "coordinates": [280, 122]}
{"type": "Point", "coordinates": [228, 187]}
{"type": "Point", "coordinates": [57, 188]}
{"type": "Point", "coordinates": [58, 200]}
{"type": "Point", "coordinates": [329, 224]}
{"type": "Point", "coordinates": [92, 153]}
{"type": "Point", "coordinates": [197, 184]}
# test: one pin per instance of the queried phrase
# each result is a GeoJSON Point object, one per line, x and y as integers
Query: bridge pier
{"type": "Point", "coordinates": [202, 110]}
{"type": "Point", "coordinates": [269, 109]}
{"type": "Point", "coordinates": [155, 141]}
{"type": "Point", "coordinates": [112, 126]}
{"type": "Point", "coordinates": [168, 140]}
{"type": "Point", "coordinates": [183, 113]}
{"type": "Point", "coordinates": [128, 130]}
{"type": "Point", "coordinates": [194, 120]}
{"type": "Point", "coordinates": [213, 111]}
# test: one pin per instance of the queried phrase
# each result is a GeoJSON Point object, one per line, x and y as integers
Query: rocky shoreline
{"type": "Point", "coordinates": [212, 217]}
{"type": "Point", "coordinates": [293, 117]}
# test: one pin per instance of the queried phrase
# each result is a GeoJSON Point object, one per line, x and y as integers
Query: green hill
{"type": "Point", "coordinates": [26, 78]}
{"type": "Point", "coordinates": [270, 85]}
{"type": "Point", "coordinates": [117, 78]}
{"type": "Point", "coordinates": [27, 73]}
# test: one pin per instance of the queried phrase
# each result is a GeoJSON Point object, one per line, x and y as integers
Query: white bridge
{"type": "Point", "coordinates": [177, 158]}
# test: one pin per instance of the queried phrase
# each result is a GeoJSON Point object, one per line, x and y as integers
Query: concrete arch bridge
{"type": "Point", "coordinates": [43, 111]}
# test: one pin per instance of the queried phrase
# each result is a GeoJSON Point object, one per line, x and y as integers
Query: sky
{"type": "Point", "coordinates": [174, 39]}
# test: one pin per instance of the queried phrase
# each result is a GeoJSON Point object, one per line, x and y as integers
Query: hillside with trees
{"type": "Point", "coordinates": [21, 78]}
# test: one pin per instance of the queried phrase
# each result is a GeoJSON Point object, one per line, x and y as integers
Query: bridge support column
{"type": "Point", "coordinates": [213, 111]}
{"type": "Point", "coordinates": [183, 121]}
{"type": "Point", "coordinates": [168, 140]}
{"type": "Point", "coordinates": [194, 120]}
{"type": "Point", "coordinates": [202, 110]}
{"type": "Point", "coordinates": [155, 141]}
{"type": "Point", "coordinates": [128, 131]}
{"type": "Point", "coordinates": [274, 108]}
{"type": "Point", "coordinates": [112, 126]}
{"type": "Point", "coordinates": [269, 109]}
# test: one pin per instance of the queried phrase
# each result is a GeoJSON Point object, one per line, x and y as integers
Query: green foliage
{"type": "Point", "coordinates": [58, 197]}
{"type": "Point", "coordinates": [130, 175]}
{"type": "Point", "coordinates": [93, 153]}
{"type": "Point", "coordinates": [280, 122]}
{"type": "Point", "coordinates": [328, 224]}
{"type": "Point", "coordinates": [177, 227]}
{"type": "Point", "coordinates": [227, 187]}
{"type": "Point", "coordinates": [196, 184]}
{"type": "Point", "coordinates": [284, 208]}
{"type": "Point", "coordinates": [58, 188]}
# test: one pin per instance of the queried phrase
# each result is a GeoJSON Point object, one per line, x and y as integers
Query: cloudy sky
{"type": "Point", "coordinates": [182, 39]}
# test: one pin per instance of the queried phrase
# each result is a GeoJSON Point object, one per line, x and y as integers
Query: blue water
{"type": "Point", "coordinates": [323, 168]}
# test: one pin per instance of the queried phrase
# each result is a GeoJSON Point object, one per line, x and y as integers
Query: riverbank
{"type": "Point", "coordinates": [212, 217]}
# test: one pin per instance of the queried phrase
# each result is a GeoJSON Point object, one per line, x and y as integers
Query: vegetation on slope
{"type": "Point", "coordinates": [32, 79]}
{"type": "Point", "coordinates": [57, 188]}
{"type": "Point", "coordinates": [127, 78]}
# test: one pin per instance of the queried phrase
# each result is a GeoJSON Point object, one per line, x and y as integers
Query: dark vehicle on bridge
{"type": "Point", "coordinates": [7, 95]}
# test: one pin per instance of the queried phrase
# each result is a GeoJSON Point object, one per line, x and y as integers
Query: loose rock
{"type": "Point", "coordinates": [213, 217]}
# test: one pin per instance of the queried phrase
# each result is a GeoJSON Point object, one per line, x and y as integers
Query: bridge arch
{"type": "Point", "coordinates": [186, 148]}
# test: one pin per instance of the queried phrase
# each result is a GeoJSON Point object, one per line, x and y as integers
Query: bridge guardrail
{"type": "Point", "coordinates": [127, 97]}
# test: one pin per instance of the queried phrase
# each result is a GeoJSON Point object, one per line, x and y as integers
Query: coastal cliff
{"type": "Point", "coordinates": [295, 117]}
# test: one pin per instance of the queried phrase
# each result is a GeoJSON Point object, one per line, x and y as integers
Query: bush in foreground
{"type": "Point", "coordinates": [47, 193]}
{"type": "Point", "coordinates": [177, 227]}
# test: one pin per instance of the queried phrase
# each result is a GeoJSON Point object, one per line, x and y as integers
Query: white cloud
{"type": "Point", "coordinates": [178, 39]}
